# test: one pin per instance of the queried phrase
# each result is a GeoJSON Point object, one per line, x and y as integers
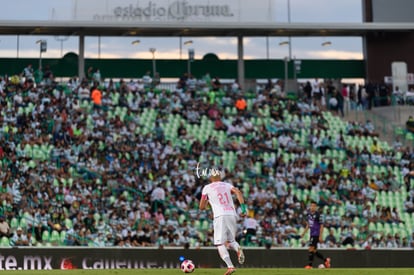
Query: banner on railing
{"type": "Point", "coordinates": [138, 258]}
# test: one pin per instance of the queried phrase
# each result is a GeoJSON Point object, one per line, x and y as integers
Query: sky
{"type": "Point", "coordinates": [312, 11]}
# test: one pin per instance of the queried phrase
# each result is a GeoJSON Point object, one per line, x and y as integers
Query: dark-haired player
{"type": "Point", "coordinates": [315, 225]}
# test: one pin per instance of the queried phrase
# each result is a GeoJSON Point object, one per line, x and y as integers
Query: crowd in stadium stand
{"type": "Point", "coordinates": [93, 163]}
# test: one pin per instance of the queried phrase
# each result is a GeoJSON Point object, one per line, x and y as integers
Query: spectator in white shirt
{"type": "Point", "coordinates": [281, 187]}
{"type": "Point", "coordinates": [19, 238]}
{"type": "Point", "coordinates": [251, 225]}
{"type": "Point", "coordinates": [157, 197]}
{"type": "Point", "coordinates": [409, 205]}
{"type": "Point", "coordinates": [147, 80]}
{"type": "Point", "coordinates": [232, 129]}
{"type": "Point", "coordinates": [83, 92]}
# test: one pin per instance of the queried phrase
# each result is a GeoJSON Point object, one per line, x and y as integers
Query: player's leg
{"type": "Point", "coordinates": [310, 257]}
{"type": "Point", "coordinates": [220, 239]}
{"type": "Point", "coordinates": [224, 255]}
{"type": "Point", "coordinates": [311, 251]}
{"type": "Point", "coordinates": [231, 223]}
{"type": "Point", "coordinates": [326, 261]}
{"type": "Point", "coordinates": [319, 255]}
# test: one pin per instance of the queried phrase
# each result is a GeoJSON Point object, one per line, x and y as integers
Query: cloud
{"type": "Point", "coordinates": [216, 41]}
{"type": "Point", "coordinates": [223, 54]}
{"type": "Point", "coordinates": [31, 53]}
{"type": "Point", "coordinates": [332, 54]}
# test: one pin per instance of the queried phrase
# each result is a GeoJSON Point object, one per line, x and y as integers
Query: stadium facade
{"type": "Point", "coordinates": [387, 27]}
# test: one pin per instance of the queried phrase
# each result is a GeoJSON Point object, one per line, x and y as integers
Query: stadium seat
{"type": "Point", "coordinates": [28, 150]}
{"type": "Point", "coordinates": [14, 223]}
{"type": "Point", "coordinates": [68, 223]}
{"type": "Point", "coordinates": [23, 223]}
{"type": "Point", "coordinates": [295, 243]}
{"type": "Point", "coordinates": [182, 218]}
{"type": "Point", "coordinates": [4, 242]}
{"type": "Point", "coordinates": [45, 236]}
{"type": "Point", "coordinates": [96, 216]}
{"type": "Point", "coordinates": [205, 225]}
{"type": "Point", "coordinates": [54, 238]}
{"type": "Point", "coordinates": [62, 237]}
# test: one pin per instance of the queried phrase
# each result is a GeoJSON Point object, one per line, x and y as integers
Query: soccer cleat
{"type": "Point", "coordinates": [240, 256]}
{"type": "Point", "coordinates": [328, 263]}
{"type": "Point", "coordinates": [230, 270]}
{"type": "Point", "coordinates": [308, 267]}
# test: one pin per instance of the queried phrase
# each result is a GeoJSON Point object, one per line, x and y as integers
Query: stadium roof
{"type": "Point", "coordinates": [159, 29]}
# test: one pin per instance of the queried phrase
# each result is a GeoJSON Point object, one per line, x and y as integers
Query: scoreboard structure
{"type": "Point", "coordinates": [382, 48]}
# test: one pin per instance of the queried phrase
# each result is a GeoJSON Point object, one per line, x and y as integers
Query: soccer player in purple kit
{"type": "Point", "coordinates": [315, 225]}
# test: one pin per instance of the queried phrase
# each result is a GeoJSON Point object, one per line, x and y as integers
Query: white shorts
{"type": "Point", "coordinates": [225, 228]}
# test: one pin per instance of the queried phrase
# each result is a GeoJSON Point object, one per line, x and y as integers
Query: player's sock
{"type": "Point", "coordinates": [234, 246]}
{"type": "Point", "coordinates": [319, 255]}
{"type": "Point", "coordinates": [327, 262]}
{"type": "Point", "coordinates": [310, 258]}
{"type": "Point", "coordinates": [224, 254]}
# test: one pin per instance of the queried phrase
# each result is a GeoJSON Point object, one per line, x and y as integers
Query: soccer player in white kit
{"type": "Point", "coordinates": [219, 195]}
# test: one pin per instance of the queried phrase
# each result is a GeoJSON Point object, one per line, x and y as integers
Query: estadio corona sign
{"type": "Point", "coordinates": [178, 10]}
{"type": "Point", "coordinates": [117, 12]}
{"type": "Point", "coordinates": [174, 10]}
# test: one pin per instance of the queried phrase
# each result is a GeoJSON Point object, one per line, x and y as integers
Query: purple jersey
{"type": "Point", "coordinates": [314, 221]}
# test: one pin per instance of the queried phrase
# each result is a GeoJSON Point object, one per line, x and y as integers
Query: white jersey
{"type": "Point", "coordinates": [220, 198]}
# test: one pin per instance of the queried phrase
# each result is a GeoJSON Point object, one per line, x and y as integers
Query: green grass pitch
{"type": "Point", "coordinates": [217, 271]}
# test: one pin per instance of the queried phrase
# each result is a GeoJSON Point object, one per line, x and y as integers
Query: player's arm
{"type": "Point", "coordinates": [240, 198]}
{"type": "Point", "coordinates": [203, 202]}
{"type": "Point", "coordinates": [305, 230]}
{"type": "Point", "coordinates": [238, 194]}
{"type": "Point", "coordinates": [321, 233]}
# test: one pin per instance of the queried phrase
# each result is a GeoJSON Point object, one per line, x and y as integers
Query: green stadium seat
{"type": "Point", "coordinates": [182, 218]}
{"type": "Point", "coordinates": [14, 223]}
{"type": "Point", "coordinates": [54, 237]}
{"type": "Point", "coordinates": [4, 242]}
{"type": "Point", "coordinates": [23, 223]}
{"type": "Point", "coordinates": [45, 236]}
{"type": "Point", "coordinates": [205, 225]}
{"type": "Point", "coordinates": [294, 243]}
{"type": "Point", "coordinates": [62, 237]}
{"type": "Point", "coordinates": [68, 223]}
